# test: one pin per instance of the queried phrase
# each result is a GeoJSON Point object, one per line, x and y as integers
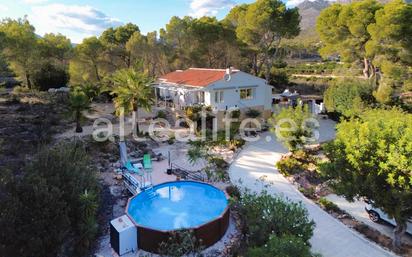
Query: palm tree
{"type": "Point", "coordinates": [78, 103]}
{"type": "Point", "coordinates": [132, 91]}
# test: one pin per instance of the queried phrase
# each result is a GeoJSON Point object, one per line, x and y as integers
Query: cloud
{"type": "Point", "coordinates": [293, 3]}
{"type": "Point", "coordinates": [35, 1]}
{"type": "Point", "coordinates": [77, 20]}
{"type": "Point", "coordinates": [201, 8]}
{"type": "Point", "coordinates": [3, 8]}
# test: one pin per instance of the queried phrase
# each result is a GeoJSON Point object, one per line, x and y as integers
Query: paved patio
{"type": "Point", "coordinates": [255, 169]}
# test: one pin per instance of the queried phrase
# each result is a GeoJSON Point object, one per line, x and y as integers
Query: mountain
{"type": "Point", "coordinates": [309, 11]}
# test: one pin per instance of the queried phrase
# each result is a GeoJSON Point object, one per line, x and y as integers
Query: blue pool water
{"type": "Point", "coordinates": [178, 205]}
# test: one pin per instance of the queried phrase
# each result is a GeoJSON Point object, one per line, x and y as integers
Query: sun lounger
{"type": "Point", "coordinates": [126, 163]}
{"type": "Point", "coordinates": [147, 162]}
{"type": "Point", "coordinates": [132, 168]}
{"type": "Point", "coordinates": [131, 183]}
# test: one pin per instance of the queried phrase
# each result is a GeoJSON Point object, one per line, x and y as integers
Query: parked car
{"type": "Point", "coordinates": [377, 215]}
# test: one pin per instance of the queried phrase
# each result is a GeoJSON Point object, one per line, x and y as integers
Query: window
{"type": "Point", "coordinates": [219, 96]}
{"type": "Point", "coordinates": [201, 97]}
{"type": "Point", "coordinates": [246, 94]}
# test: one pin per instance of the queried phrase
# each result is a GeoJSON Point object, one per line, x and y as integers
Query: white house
{"type": "Point", "coordinates": [221, 89]}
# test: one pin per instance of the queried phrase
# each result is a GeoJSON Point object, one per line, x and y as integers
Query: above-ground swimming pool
{"type": "Point", "coordinates": [179, 205]}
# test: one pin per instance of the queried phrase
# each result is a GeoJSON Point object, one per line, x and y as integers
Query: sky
{"type": "Point", "coordinates": [78, 19]}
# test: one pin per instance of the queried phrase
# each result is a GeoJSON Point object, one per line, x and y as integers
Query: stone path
{"type": "Point", "coordinates": [255, 169]}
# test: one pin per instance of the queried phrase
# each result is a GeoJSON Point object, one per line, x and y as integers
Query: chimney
{"type": "Point", "coordinates": [228, 75]}
{"type": "Point", "coordinates": [229, 70]}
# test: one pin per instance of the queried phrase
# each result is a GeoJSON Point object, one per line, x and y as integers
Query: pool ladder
{"type": "Point", "coordinates": [150, 192]}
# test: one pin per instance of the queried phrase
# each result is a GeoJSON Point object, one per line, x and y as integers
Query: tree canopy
{"type": "Point", "coordinates": [343, 29]}
{"type": "Point", "coordinates": [372, 157]}
{"type": "Point", "coordinates": [262, 26]}
{"type": "Point", "coordinates": [20, 47]}
{"type": "Point", "coordinates": [40, 62]}
{"type": "Point", "coordinates": [132, 91]}
{"type": "Point", "coordinates": [391, 44]}
{"type": "Point", "coordinates": [375, 35]}
{"type": "Point", "coordinates": [53, 203]}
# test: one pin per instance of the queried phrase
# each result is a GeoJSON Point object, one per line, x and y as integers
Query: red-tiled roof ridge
{"type": "Point", "coordinates": [197, 77]}
{"type": "Point", "coordinates": [194, 68]}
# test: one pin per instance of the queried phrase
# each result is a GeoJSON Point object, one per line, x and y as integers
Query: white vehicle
{"type": "Point", "coordinates": [377, 215]}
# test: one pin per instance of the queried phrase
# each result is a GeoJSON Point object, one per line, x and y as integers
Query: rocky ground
{"type": "Point", "coordinates": [28, 121]}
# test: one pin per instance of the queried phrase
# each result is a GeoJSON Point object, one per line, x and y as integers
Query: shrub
{"type": "Point", "coordinates": [308, 192]}
{"type": "Point", "coordinates": [290, 165]}
{"type": "Point", "coordinates": [279, 78]}
{"type": "Point", "coordinates": [287, 246]}
{"type": "Point", "coordinates": [171, 140]}
{"type": "Point", "coordinates": [20, 90]}
{"type": "Point", "coordinates": [266, 216]}
{"type": "Point", "coordinates": [219, 162]}
{"type": "Point", "coordinates": [348, 97]}
{"type": "Point", "coordinates": [328, 205]}
{"type": "Point", "coordinates": [252, 113]}
{"type": "Point", "coordinates": [235, 114]}
{"type": "Point", "coordinates": [297, 162]}
{"type": "Point", "coordinates": [237, 143]}
{"type": "Point", "coordinates": [53, 203]}
{"type": "Point", "coordinates": [91, 90]}
{"type": "Point", "coordinates": [50, 76]}
{"type": "Point", "coordinates": [161, 115]}
{"type": "Point", "coordinates": [291, 127]}
{"type": "Point", "coordinates": [233, 192]}
{"type": "Point", "coordinates": [181, 243]}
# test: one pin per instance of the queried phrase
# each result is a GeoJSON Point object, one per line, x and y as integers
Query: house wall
{"type": "Point", "coordinates": [220, 116]}
{"type": "Point", "coordinates": [231, 92]}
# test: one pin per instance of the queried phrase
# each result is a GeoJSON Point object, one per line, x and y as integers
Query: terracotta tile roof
{"type": "Point", "coordinates": [195, 77]}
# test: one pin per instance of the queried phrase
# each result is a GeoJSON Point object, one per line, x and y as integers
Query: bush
{"type": "Point", "coordinates": [50, 76]}
{"type": "Point", "coordinates": [308, 192]}
{"type": "Point", "coordinates": [252, 113]}
{"type": "Point", "coordinates": [279, 78]}
{"type": "Point", "coordinates": [236, 114]}
{"type": "Point", "coordinates": [91, 90]}
{"type": "Point", "coordinates": [266, 216]}
{"type": "Point", "coordinates": [291, 128]}
{"type": "Point", "coordinates": [295, 163]}
{"type": "Point", "coordinates": [287, 246]}
{"type": "Point", "coordinates": [290, 166]}
{"type": "Point", "coordinates": [161, 115]}
{"type": "Point", "coordinates": [219, 162]}
{"type": "Point", "coordinates": [171, 140]}
{"type": "Point", "coordinates": [53, 203]}
{"type": "Point", "coordinates": [237, 143]}
{"type": "Point", "coordinates": [20, 90]}
{"type": "Point", "coordinates": [181, 243]}
{"type": "Point", "coordinates": [328, 205]}
{"type": "Point", "coordinates": [233, 192]}
{"type": "Point", "coordinates": [348, 97]}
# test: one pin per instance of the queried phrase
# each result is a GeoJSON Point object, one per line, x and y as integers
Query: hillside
{"type": "Point", "coordinates": [309, 11]}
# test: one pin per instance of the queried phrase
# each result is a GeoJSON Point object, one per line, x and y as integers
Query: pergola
{"type": "Point", "coordinates": [179, 95]}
